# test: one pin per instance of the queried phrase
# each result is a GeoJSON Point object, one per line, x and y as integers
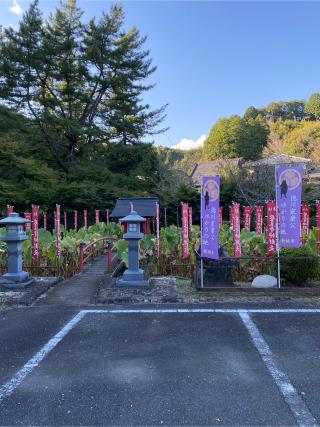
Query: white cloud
{"type": "Point", "coordinates": [16, 8]}
{"type": "Point", "coordinates": [189, 144]}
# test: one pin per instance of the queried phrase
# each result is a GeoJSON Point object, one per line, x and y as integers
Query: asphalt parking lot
{"type": "Point", "coordinates": [160, 367]}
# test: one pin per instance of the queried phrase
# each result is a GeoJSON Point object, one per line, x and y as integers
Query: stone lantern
{"type": "Point", "coordinates": [15, 277]}
{"type": "Point", "coordinates": [133, 276]}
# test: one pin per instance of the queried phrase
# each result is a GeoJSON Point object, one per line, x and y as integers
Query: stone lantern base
{"type": "Point", "coordinates": [7, 283]}
{"type": "Point", "coordinates": [133, 278]}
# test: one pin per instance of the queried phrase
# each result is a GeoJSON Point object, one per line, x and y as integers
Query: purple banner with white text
{"type": "Point", "coordinates": [210, 199]}
{"type": "Point", "coordinates": [289, 187]}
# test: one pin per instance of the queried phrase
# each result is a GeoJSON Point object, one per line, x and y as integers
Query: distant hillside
{"type": "Point", "coordinates": [180, 160]}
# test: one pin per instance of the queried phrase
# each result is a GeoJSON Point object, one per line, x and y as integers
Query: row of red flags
{"type": "Point", "coordinates": [271, 225]}
{"type": "Point", "coordinates": [34, 226]}
{"type": "Point", "coordinates": [30, 215]}
{"type": "Point", "coordinates": [235, 223]}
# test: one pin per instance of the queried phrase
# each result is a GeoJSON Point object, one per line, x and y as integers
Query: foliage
{"type": "Point", "coordinates": [170, 244]}
{"type": "Point", "coordinates": [295, 270]}
{"type": "Point", "coordinates": [147, 248]}
{"type": "Point", "coordinates": [70, 244]}
{"type": "Point", "coordinates": [189, 160]}
{"type": "Point", "coordinates": [251, 113]}
{"type": "Point", "coordinates": [172, 201]}
{"type": "Point", "coordinates": [170, 241]}
{"type": "Point", "coordinates": [81, 83]}
{"type": "Point", "coordinates": [252, 244]}
{"type": "Point", "coordinates": [278, 132]}
{"type": "Point", "coordinates": [236, 137]}
{"type": "Point", "coordinates": [122, 250]}
{"type": "Point", "coordinates": [110, 172]}
{"type": "Point", "coordinates": [311, 243]}
{"type": "Point", "coordinates": [313, 106]}
{"type": "Point", "coordinates": [304, 141]}
{"type": "Point", "coordinates": [226, 239]}
{"type": "Point", "coordinates": [284, 110]}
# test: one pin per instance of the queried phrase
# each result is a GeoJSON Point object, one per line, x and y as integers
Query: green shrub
{"type": "Point", "coordinates": [295, 270]}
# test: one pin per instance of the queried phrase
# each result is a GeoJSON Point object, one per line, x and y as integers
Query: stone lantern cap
{"type": "Point", "coordinates": [14, 219]}
{"type": "Point", "coordinates": [133, 217]}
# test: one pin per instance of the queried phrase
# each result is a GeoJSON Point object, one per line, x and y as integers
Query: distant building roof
{"type": "Point", "coordinates": [214, 167]}
{"type": "Point", "coordinates": [277, 159]}
{"type": "Point", "coordinates": [144, 206]}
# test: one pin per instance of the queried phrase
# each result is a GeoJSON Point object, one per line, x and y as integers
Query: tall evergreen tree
{"type": "Point", "coordinates": [81, 83]}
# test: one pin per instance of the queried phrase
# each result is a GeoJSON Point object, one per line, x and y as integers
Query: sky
{"type": "Point", "coordinates": [215, 58]}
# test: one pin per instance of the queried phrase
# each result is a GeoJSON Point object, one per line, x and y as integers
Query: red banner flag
{"type": "Point", "coordinates": [158, 228]}
{"type": "Point", "coordinates": [231, 216]}
{"type": "Point", "coordinates": [45, 220]}
{"type": "Point", "coordinates": [220, 216]}
{"type": "Point", "coordinates": [35, 234]}
{"type": "Point", "coordinates": [58, 231]}
{"type": "Point", "coordinates": [75, 220]}
{"type": "Point", "coordinates": [65, 220]}
{"type": "Point", "coordinates": [236, 229]}
{"type": "Point", "coordinates": [97, 216]}
{"type": "Point", "coordinates": [190, 218]}
{"type": "Point", "coordinates": [271, 228]}
{"type": "Point", "coordinates": [318, 224]}
{"type": "Point", "coordinates": [9, 209]}
{"type": "Point", "coordinates": [107, 216]}
{"type": "Point", "coordinates": [259, 219]}
{"type": "Point", "coordinates": [305, 221]}
{"type": "Point", "coordinates": [85, 218]}
{"type": "Point", "coordinates": [28, 216]}
{"type": "Point", "coordinates": [247, 217]}
{"type": "Point", "coordinates": [185, 230]}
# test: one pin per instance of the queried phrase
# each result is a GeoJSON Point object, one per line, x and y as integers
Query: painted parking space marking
{"type": "Point", "coordinates": [8, 388]}
{"type": "Point", "coordinates": [204, 310]}
{"type": "Point", "coordinates": [294, 401]}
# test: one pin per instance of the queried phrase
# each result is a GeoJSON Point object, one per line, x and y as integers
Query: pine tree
{"type": "Point", "coordinates": [81, 83]}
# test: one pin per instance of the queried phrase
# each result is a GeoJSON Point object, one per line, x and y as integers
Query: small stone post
{"type": "Point", "coordinates": [15, 277]}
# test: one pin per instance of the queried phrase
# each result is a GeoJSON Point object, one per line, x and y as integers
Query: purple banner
{"type": "Point", "coordinates": [289, 186]}
{"type": "Point", "coordinates": [210, 197]}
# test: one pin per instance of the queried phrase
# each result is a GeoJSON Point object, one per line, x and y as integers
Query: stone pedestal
{"type": "Point", "coordinates": [15, 285]}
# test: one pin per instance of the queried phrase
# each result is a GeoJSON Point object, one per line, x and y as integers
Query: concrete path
{"type": "Point", "coordinates": [80, 289]}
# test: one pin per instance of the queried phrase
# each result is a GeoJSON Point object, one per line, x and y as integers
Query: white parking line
{"type": "Point", "coordinates": [203, 310]}
{"type": "Point", "coordinates": [17, 379]}
{"type": "Point", "coordinates": [298, 407]}
{"type": "Point", "coordinates": [295, 402]}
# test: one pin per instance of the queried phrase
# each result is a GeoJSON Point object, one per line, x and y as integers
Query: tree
{"type": "Point", "coordinates": [29, 179]}
{"type": "Point", "coordinates": [256, 133]}
{"type": "Point", "coordinates": [313, 106]}
{"type": "Point", "coordinates": [284, 110]}
{"type": "Point", "coordinates": [278, 132]}
{"type": "Point", "coordinates": [236, 137]}
{"type": "Point", "coordinates": [304, 141]}
{"type": "Point", "coordinates": [223, 139]}
{"type": "Point", "coordinates": [81, 83]}
{"type": "Point", "coordinates": [251, 113]}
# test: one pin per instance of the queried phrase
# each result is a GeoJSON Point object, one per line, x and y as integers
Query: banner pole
{"type": "Point", "coordinates": [277, 232]}
{"type": "Point", "coordinates": [201, 272]}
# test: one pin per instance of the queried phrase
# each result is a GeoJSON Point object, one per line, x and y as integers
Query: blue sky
{"type": "Point", "coordinates": [216, 58]}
